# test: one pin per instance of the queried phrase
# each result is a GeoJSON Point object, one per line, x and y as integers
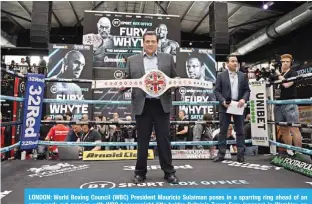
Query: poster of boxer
{"type": "Point", "coordinates": [68, 91]}
{"type": "Point", "coordinates": [111, 94]}
{"type": "Point", "coordinates": [68, 61]}
{"type": "Point", "coordinates": [196, 64]}
{"type": "Point", "coordinates": [116, 36]}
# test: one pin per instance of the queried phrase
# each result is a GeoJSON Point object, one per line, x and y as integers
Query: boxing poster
{"type": "Point", "coordinates": [68, 61]}
{"type": "Point", "coordinates": [196, 64]}
{"type": "Point", "coordinates": [69, 91]}
{"type": "Point", "coordinates": [112, 94]}
{"type": "Point", "coordinates": [116, 36]}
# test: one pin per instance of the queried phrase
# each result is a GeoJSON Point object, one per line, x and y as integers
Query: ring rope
{"type": "Point", "coordinates": [175, 103]}
{"type": "Point", "coordinates": [69, 80]}
{"type": "Point", "coordinates": [207, 143]}
{"type": "Point", "coordinates": [9, 148]}
{"type": "Point", "coordinates": [4, 124]}
{"type": "Point", "coordinates": [300, 77]}
{"type": "Point", "coordinates": [11, 98]}
{"type": "Point", "coordinates": [297, 78]}
{"type": "Point", "coordinates": [13, 73]}
{"type": "Point", "coordinates": [294, 148]}
{"type": "Point", "coordinates": [300, 125]}
{"type": "Point", "coordinates": [110, 144]}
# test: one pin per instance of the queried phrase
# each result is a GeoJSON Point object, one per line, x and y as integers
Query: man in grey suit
{"type": "Point", "coordinates": [231, 85]}
{"type": "Point", "coordinates": [150, 111]}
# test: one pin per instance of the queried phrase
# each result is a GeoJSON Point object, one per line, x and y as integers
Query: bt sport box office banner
{"type": "Point", "coordinates": [69, 61]}
{"type": "Point", "coordinates": [112, 94]}
{"type": "Point", "coordinates": [196, 64]}
{"type": "Point", "coordinates": [116, 36]}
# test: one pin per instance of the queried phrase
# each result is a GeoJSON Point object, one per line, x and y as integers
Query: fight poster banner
{"type": "Point", "coordinates": [69, 61]}
{"type": "Point", "coordinates": [258, 113]}
{"type": "Point", "coordinates": [34, 92]}
{"type": "Point", "coordinates": [68, 91]}
{"type": "Point", "coordinates": [196, 64]}
{"type": "Point", "coordinates": [111, 94]}
{"type": "Point", "coordinates": [116, 36]}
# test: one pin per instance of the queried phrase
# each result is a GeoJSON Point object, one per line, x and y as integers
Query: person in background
{"type": "Point", "coordinates": [23, 66]}
{"type": "Point", "coordinates": [89, 134]}
{"type": "Point", "coordinates": [129, 133]}
{"type": "Point", "coordinates": [103, 130]}
{"type": "Point", "coordinates": [44, 130]}
{"type": "Point", "coordinates": [42, 69]}
{"type": "Point", "coordinates": [203, 132]}
{"type": "Point", "coordinates": [115, 130]}
{"type": "Point", "coordinates": [223, 68]}
{"type": "Point", "coordinates": [287, 113]}
{"type": "Point", "coordinates": [12, 65]}
{"type": "Point", "coordinates": [231, 85]}
{"type": "Point", "coordinates": [229, 136]}
{"type": "Point", "coordinates": [85, 117]}
{"type": "Point", "coordinates": [182, 130]}
{"type": "Point", "coordinates": [34, 68]}
{"type": "Point", "coordinates": [74, 134]}
{"type": "Point", "coordinates": [57, 133]}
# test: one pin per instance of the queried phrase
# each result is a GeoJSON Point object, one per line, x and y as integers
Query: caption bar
{"type": "Point", "coordinates": [173, 196]}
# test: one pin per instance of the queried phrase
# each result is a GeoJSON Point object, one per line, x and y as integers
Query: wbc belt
{"type": "Point", "coordinates": [154, 83]}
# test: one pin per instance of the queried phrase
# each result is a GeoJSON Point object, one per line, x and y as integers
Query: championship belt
{"type": "Point", "coordinates": [154, 83]}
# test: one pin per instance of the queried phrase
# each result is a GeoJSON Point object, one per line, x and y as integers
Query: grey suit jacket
{"type": "Point", "coordinates": [135, 70]}
{"type": "Point", "coordinates": [223, 88]}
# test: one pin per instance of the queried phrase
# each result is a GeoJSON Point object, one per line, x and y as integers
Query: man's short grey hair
{"type": "Point", "coordinates": [58, 117]}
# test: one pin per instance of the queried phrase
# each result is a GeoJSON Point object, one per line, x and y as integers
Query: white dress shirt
{"type": "Point", "coordinates": [150, 64]}
{"type": "Point", "coordinates": [234, 85]}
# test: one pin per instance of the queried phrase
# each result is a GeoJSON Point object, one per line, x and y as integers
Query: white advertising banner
{"type": "Point", "coordinates": [258, 113]}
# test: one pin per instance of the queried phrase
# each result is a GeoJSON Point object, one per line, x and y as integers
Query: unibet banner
{"type": "Point", "coordinates": [32, 111]}
{"type": "Point", "coordinates": [115, 36]}
{"type": "Point", "coordinates": [258, 113]}
{"type": "Point", "coordinates": [113, 155]}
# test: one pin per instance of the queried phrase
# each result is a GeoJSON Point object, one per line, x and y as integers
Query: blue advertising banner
{"type": "Point", "coordinates": [32, 111]}
{"type": "Point", "coordinates": [178, 196]}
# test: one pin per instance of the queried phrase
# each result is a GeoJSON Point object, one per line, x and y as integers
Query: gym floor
{"type": "Point", "coordinates": [258, 173]}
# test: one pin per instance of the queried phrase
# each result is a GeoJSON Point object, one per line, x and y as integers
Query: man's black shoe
{"type": "Point", "coordinates": [171, 178]}
{"type": "Point", "coordinates": [240, 159]}
{"type": "Point", "coordinates": [218, 159]}
{"type": "Point", "coordinates": [138, 179]}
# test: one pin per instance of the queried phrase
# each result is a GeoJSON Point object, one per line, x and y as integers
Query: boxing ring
{"type": "Point", "coordinates": [256, 172]}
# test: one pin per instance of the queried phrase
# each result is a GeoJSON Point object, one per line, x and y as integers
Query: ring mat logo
{"type": "Point", "coordinates": [50, 170]}
{"type": "Point", "coordinates": [4, 193]}
{"type": "Point", "coordinates": [155, 167]}
{"type": "Point", "coordinates": [250, 166]}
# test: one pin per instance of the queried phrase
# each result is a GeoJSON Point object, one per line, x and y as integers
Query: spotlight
{"type": "Point", "coordinates": [265, 6]}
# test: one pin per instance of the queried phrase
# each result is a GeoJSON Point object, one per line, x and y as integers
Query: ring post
{"type": "Point", "coordinates": [273, 149]}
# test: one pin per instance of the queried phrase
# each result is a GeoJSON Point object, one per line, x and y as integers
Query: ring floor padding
{"type": "Point", "coordinates": [16, 175]}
